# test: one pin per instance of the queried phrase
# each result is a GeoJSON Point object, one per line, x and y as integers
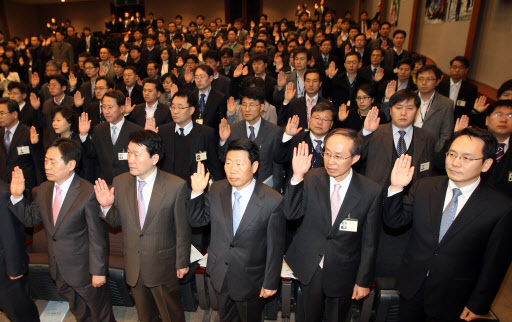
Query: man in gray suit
{"type": "Point", "coordinates": [77, 238]}
{"type": "Point", "coordinates": [265, 134]}
{"type": "Point", "coordinates": [248, 230]}
{"type": "Point", "coordinates": [62, 51]}
{"type": "Point", "coordinates": [150, 206]}
{"type": "Point", "coordinates": [301, 58]}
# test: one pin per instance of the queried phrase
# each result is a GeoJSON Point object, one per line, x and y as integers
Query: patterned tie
{"type": "Point", "coordinates": [310, 107]}
{"type": "Point", "coordinates": [202, 103]}
{"type": "Point", "coordinates": [57, 203]}
{"type": "Point", "coordinates": [182, 132]}
{"type": "Point", "coordinates": [374, 70]}
{"type": "Point", "coordinates": [318, 147]}
{"type": "Point", "coordinates": [114, 134]}
{"type": "Point", "coordinates": [142, 205]}
{"type": "Point", "coordinates": [335, 202]}
{"type": "Point", "coordinates": [499, 154]}
{"type": "Point", "coordinates": [237, 213]}
{"type": "Point", "coordinates": [252, 136]}
{"type": "Point", "coordinates": [326, 60]}
{"type": "Point", "coordinates": [7, 140]}
{"type": "Point", "coordinates": [449, 213]}
{"type": "Point", "coordinates": [401, 148]}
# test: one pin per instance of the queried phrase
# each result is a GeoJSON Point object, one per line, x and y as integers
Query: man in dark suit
{"type": "Point", "coordinates": [88, 43]}
{"type": "Point", "coordinates": [15, 299]}
{"type": "Point", "coordinates": [396, 52]}
{"type": "Point", "coordinates": [460, 91]}
{"type": "Point", "coordinates": [18, 92]}
{"type": "Point", "coordinates": [16, 148]}
{"type": "Point", "coordinates": [150, 206]}
{"type": "Point", "coordinates": [109, 142]}
{"type": "Point", "coordinates": [62, 51]}
{"type": "Point", "coordinates": [333, 252]}
{"type": "Point", "coordinates": [325, 56]}
{"type": "Point", "coordinates": [151, 90]}
{"type": "Point", "coordinates": [302, 106]}
{"type": "Point", "coordinates": [178, 50]}
{"type": "Point", "coordinates": [499, 123]}
{"type": "Point", "coordinates": [77, 238]}
{"type": "Point", "coordinates": [212, 104]}
{"type": "Point", "coordinates": [374, 72]}
{"type": "Point", "coordinates": [259, 67]}
{"type": "Point", "coordinates": [265, 134]}
{"type": "Point", "coordinates": [151, 53]}
{"type": "Point", "coordinates": [235, 43]}
{"type": "Point", "coordinates": [92, 68]}
{"type": "Point", "coordinates": [94, 109]}
{"type": "Point", "coordinates": [227, 66]}
{"type": "Point", "coordinates": [220, 82]}
{"type": "Point", "coordinates": [131, 89]}
{"type": "Point", "coordinates": [456, 257]}
{"type": "Point", "coordinates": [248, 229]}
{"type": "Point", "coordinates": [138, 62]}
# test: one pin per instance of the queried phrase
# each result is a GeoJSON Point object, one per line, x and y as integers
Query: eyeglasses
{"type": "Point", "coordinates": [426, 79]}
{"type": "Point", "coordinates": [203, 76]}
{"type": "Point", "coordinates": [179, 108]}
{"type": "Point", "coordinates": [337, 158]}
{"type": "Point", "coordinates": [53, 85]}
{"type": "Point", "coordinates": [2, 114]}
{"type": "Point", "coordinates": [499, 115]}
{"type": "Point", "coordinates": [100, 88]}
{"type": "Point", "coordinates": [89, 68]}
{"type": "Point", "coordinates": [456, 67]}
{"type": "Point", "coordinates": [351, 62]}
{"type": "Point", "coordinates": [363, 98]}
{"type": "Point", "coordinates": [252, 106]}
{"type": "Point", "coordinates": [318, 119]}
{"type": "Point", "coordinates": [108, 107]}
{"type": "Point", "coordinates": [464, 159]}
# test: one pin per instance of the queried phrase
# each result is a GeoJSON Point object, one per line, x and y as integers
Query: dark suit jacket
{"type": "Point", "coordinates": [214, 110]}
{"type": "Point", "coordinates": [349, 258]}
{"type": "Point", "coordinates": [204, 140]}
{"type": "Point", "coordinates": [377, 153]}
{"type": "Point", "coordinates": [94, 47]}
{"type": "Point", "coordinates": [78, 242]}
{"type": "Point", "coordinates": [151, 56]}
{"type": "Point", "coordinates": [87, 93]}
{"type": "Point", "coordinates": [136, 96]}
{"type": "Point", "coordinates": [270, 83]}
{"type": "Point", "coordinates": [100, 147]}
{"type": "Point", "coordinates": [339, 89]}
{"type": "Point", "coordinates": [467, 267]}
{"type": "Point", "coordinates": [174, 56]}
{"type": "Point", "coordinates": [95, 115]}
{"type": "Point", "coordinates": [26, 116]}
{"type": "Point", "coordinates": [296, 106]}
{"type": "Point", "coordinates": [253, 257]}
{"type": "Point", "coordinates": [390, 59]}
{"type": "Point", "coordinates": [268, 140]}
{"type": "Point", "coordinates": [162, 114]}
{"type": "Point", "coordinates": [500, 174]}
{"type": "Point", "coordinates": [31, 163]}
{"type": "Point", "coordinates": [366, 73]}
{"type": "Point", "coordinates": [163, 244]}
{"type": "Point", "coordinates": [222, 84]}
{"type": "Point", "coordinates": [467, 94]}
{"type": "Point", "coordinates": [13, 257]}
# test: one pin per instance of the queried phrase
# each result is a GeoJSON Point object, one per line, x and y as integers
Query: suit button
{"type": "Point", "coordinates": [54, 239]}
{"type": "Point", "coordinates": [329, 238]}
{"type": "Point", "coordinates": [141, 235]}
{"type": "Point", "coordinates": [226, 263]}
{"type": "Point", "coordinates": [435, 253]}
{"type": "Point", "coordinates": [232, 246]}
{"type": "Point", "coordinates": [319, 255]}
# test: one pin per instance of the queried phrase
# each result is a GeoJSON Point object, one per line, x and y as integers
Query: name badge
{"type": "Point", "coordinates": [349, 225]}
{"type": "Point", "coordinates": [199, 121]}
{"type": "Point", "coordinates": [395, 70]}
{"type": "Point", "coordinates": [122, 156]}
{"type": "Point", "coordinates": [424, 166]}
{"type": "Point", "coordinates": [510, 176]}
{"type": "Point", "coordinates": [23, 150]}
{"type": "Point", "coordinates": [348, 104]}
{"type": "Point", "coordinates": [201, 156]}
{"type": "Point", "coordinates": [461, 103]}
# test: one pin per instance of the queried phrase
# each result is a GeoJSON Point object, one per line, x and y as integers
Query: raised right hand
{"type": "Point", "coordinates": [292, 127]}
{"type": "Point", "coordinates": [402, 173]}
{"type": "Point", "coordinates": [379, 74]}
{"type": "Point", "coordinates": [224, 130]}
{"type": "Point", "coordinates": [78, 99]}
{"type": "Point", "coordinates": [461, 123]}
{"type": "Point", "coordinates": [35, 79]}
{"type": "Point", "coordinates": [390, 89]}
{"type": "Point", "coordinates": [35, 101]}
{"type": "Point", "coordinates": [289, 93]}
{"type": "Point", "coordinates": [301, 161]}
{"type": "Point", "coordinates": [151, 124]}
{"type": "Point", "coordinates": [104, 195]}
{"type": "Point", "coordinates": [372, 121]}
{"type": "Point", "coordinates": [34, 136]}
{"type": "Point", "coordinates": [281, 79]}
{"type": "Point", "coordinates": [128, 107]}
{"type": "Point", "coordinates": [238, 71]}
{"type": "Point", "coordinates": [231, 104]}
{"type": "Point", "coordinates": [199, 180]}
{"type": "Point", "coordinates": [17, 183]}
{"type": "Point", "coordinates": [84, 124]}
{"type": "Point", "coordinates": [480, 105]}
{"type": "Point", "coordinates": [343, 112]}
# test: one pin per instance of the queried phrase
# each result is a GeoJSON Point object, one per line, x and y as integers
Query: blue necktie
{"type": "Point", "coordinates": [318, 147]}
{"type": "Point", "coordinates": [201, 105]}
{"type": "Point", "coordinates": [114, 134]}
{"type": "Point", "coordinates": [401, 148]}
{"type": "Point", "coordinates": [237, 212]}
{"type": "Point", "coordinates": [7, 140]}
{"type": "Point", "coordinates": [252, 136]}
{"type": "Point", "coordinates": [449, 213]}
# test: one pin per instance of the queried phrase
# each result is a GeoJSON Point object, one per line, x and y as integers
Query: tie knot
{"type": "Point", "coordinates": [337, 187]}
{"type": "Point", "coordinates": [182, 131]}
{"type": "Point", "coordinates": [7, 132]}
{"type": "Point", "coordinates": [501, 146]}
{"type": "Point", "coordinates": [114, 128]}
{"type": "Point", "coordinates": [310, 100]}
{"type": "Point", "coordinates": [456, 192]}
{"type": "Point", "coordinates": [203, 96]}
{"type": "Point", "coordinates": [238, 195]}
{"type": "Point", "coordinates": [142, 184]}
{"type": "Point", "coordinates": [251, 128]}
{"type": "Point", "coordinates": [58, 189]}
{"type": "Point", "coordinates": [402, 133]}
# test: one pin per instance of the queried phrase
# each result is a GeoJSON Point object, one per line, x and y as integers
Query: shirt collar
{"type": "Point", "coordinates": [344, 183]}
{"type": "Point", "coordinates": [467, 190]}
{"type": "Point", "coordinates": [313, 137]}
{"type": "Point", "coordinates": [65, 185]}
{"type": "Point", "coordinates": [13, 129]}
{"type": "Point", "coordinates": [186, 129]}
{"type": "Point", "coordinates": [59, 102]}
{"type": "Point", "coordinates": [429, 100]}
{"type": "Point", "coordinates": [150, 180]}
{"type": "Point", "coordinates": [245, 192]}
{"type": "Point", "coordinates": [256, 125]}
{"type": "Point", "coordinates": [455, 84]}
{"type": "Point", "coordinates": [408, 130]}
{"type": "Point", "coordinates": [22, 105]}
{"type": "Point", "coordinates": [118, 126]}
{"type": "Point", "coordinates": [152, 108]}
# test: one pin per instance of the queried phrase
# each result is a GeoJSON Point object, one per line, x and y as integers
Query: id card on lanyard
{"type": "Point", "coordinates": [423, 116]}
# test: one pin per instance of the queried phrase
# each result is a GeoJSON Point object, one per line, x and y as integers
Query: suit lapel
{"type": "Point", "coordinates": [436, 207]}
{"type": "Point", "coordinates": [386, 139]}
{"type": "Point", "coordinates": [351, 200]}
{"type": "Point", "coordinates": [251, 211]}
{"type": "Point", "coordinates": [419, 146]}
{"type": "Point", "coordinates": [323, 192]}
{"type": "Point", "coordinates": [131, 190]}
{"type": "Point", "coordinates": [15, 139]}
{"type": "Point", "coordinates": [46, 193]}
{"type": "Point", "coordinates": [107, 137]}
{"type": "Point", "coordinates": [433, 107]}
{"type": "Point", "coordinates": [156, 198]}
{"type": "Point", "coordinates": [68, 201]}
{"type": "Point", "coordinates": [227, 208]}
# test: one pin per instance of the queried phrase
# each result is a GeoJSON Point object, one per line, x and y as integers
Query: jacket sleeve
{"type": "Point", "coordinates": [11, 240]}
{"type": "Point", "coordinates": [98, 238]}
{"type": "Point", "coordinates": [183, 231]}
{"type": "Point", "coordinates": [276, 232]}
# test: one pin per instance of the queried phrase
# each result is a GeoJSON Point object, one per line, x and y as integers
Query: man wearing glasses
{"type": "Point", "coordinates": [333, 252]}
{"type": "Point", "coordinates": [460, 246]}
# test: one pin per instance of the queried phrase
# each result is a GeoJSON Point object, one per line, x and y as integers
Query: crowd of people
{"type": "Point", "coordinates": [320, 140]}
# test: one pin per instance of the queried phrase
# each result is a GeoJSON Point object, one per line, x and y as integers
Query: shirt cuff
{"type": "Point", "coordinates": [365, 132]}
{"type": "Point", "coordinates": [392, 193]}
{"type": "Point", "coordinates": [15, 201]}
{"type": "Point", "coordinates": [222, 143]}
{"type": "Point", "coordinates": [286, 137]}
{"type": "Point", "coordinates": [104, 211]}
{"type": "Point", "coordinates": [83, 137]}
{"type": "Point", "coordinates": [193, 195]}
{"type": "Point", "coordinates": [294, 183]}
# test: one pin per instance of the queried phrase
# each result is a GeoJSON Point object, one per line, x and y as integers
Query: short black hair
{"type": "Point", "coordinates": [405, 61]}
{"type": "Point", "coordinates": [460, 59]}
{"type": "Point", "coordinates": [12, 105]}
{"type": "Point", "coordinates": [382, 51]}
{"type": "Point", "coordinates": [302, 50]}
{"type": "Point", "coordinates": [117, 95]}
{"type": "Point", "coordinates": [314, 71]}
{"type": "Point", "coordinates": [212, 54]}
{"type": "Point", "coordinates": [19, 85]}
{"type": "Point", "coordinates": [350, 134]}
{"type": "Point", "coordinates": [178, 36]}
{"type": "Point", "coordinates": [69, 114]}
{"type": "Point", "coordinates": [192, 23]}
{"type": "Point", "coordinates": [136, 47]}
{"type": "Point", "coordinates": [150, 140]}
{"type": "Point", "coordinates": [191, 98]}
{"type": "Point", "coordinates": [108, 81]}
{"type": "Point", "coordinates": [60, 79]}
{"type": "Point", "coordinates": [353, 53]}
{"type": "Point", "coordinates": [246, 145]}
{"type": "Point", "coordinates": [151, 36]}
{"type": "Point", "coordinates": [506, 86]}
{"type": "Point", "coordinates": [260, 57]}
{"type": "Point", "coordinates": [385, 23]}
{"type": "Point", "coordinates": [399, 31]}
{"type": "Point", "coordinates": [323, 106]}
{"type": "Point", "coordinates": [69, 149]}
{"type": "Point", "coordinates": [156, 82]}
{"type": "Point", "coordinates": [404, 95]}
{"type": "Point", "coordinates": [167, 75]}
{"type": "Point", "coordinates": [421, 59]}
{"type": "Point", "coordinates": [193, 57]}
{"type": "Point", "coordinates": [254, 93]}
{"type": "Point", "coordinates": [490, 141]}
{"type": "Point", "coordinates": [132, 68]}
{"type": "Point", "coordinates": [93, 61]}
{"type": "Point", "coordinates": [432, 68]}
{"type": "Point", "coordinates": [178, 17]}
{"type": "Point", "coordinates": [368, 89]}
{"type": "Point", "coordinates": [207, 69]}
{"type": "Point", "coordinates": [120, 62]}
{"type": "Point", "coordinates": [492, 107]}
{"type": "Point", "coordinates": [354, 27]}
{"type": "Point", "coordinates": [200, 16]}
{"type": "Point", "coordinates": [226, 51]}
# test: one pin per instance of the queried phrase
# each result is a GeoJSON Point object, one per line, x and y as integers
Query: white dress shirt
{"type": "Point", "coordinates": [186, 129]}
{"type": "Point", "coordinates": [256, 128]}
{"type": "Point", "coordinates": [407, 137]}
{"type": "Point", "coordinates": [150, 111]}
{"type": "Point", "coordinates": [467, 191]}
{"type": "Point", "coordinates": [148, 188]}
{"type": "Point", "coordinates": [423, 110]}
{"type": "Point", "coordinates": [246, 194]}
{"type": "Point", "coordinates": [454, 91]}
